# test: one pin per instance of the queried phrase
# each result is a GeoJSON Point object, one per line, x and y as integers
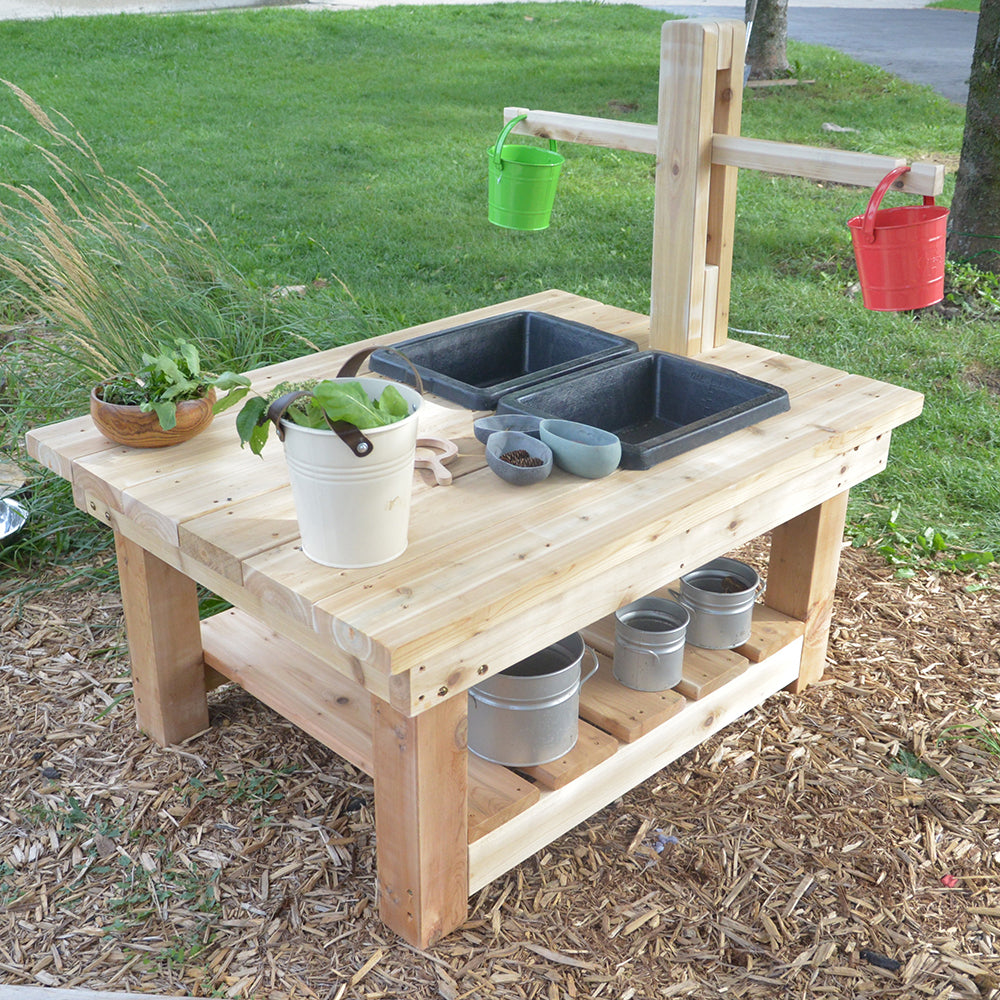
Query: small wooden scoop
{"type": "Point", "coordinates": [435, 454]}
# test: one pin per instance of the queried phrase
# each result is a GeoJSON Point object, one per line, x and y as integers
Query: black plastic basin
{"type": "Point", "coordinates": [477, 363]}
{"type": "Point", "coordinates": [658, 404]}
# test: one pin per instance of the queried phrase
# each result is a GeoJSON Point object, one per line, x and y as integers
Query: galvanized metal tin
{"type": "Point", "coordinates": [649, 643]}
{"type": "Point", "coordinates": [720, 596]}
{"type": "Point", "coordinates": [527, 714]}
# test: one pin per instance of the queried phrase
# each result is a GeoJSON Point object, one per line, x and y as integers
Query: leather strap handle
{"type": "Point", "coordinates": [352, 436]}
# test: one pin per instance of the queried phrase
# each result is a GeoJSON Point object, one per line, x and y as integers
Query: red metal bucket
{"type": "Point", "coordinates": [899, 251]}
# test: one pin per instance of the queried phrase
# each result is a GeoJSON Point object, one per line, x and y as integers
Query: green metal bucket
{"type": "Point", "coordinates": [522, 186]}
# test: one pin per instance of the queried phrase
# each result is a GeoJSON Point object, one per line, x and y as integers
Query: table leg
{"type": "Point", "coordinates": [421, 819]}
{"type": "Point", "coordinates": [164, 639]}
{"type": "Point", "coordinates": [802, 576]}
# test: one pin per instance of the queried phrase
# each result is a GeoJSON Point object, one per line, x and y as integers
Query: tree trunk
{"type": "Point", "coordinates": [974, 221]}
{"type": "Point", "coordinates": [766, 55]}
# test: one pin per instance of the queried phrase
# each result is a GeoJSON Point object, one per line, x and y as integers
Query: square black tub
{"type": "Point", "coordinates": [658, 404]}
{"type": "Point", "coordinates": [477, 363]}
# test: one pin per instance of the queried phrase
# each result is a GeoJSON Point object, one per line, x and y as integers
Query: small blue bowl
{"type": "Point", "coordinates": [485, 426]}
{"type": "Point", "coordinates": [581, 449]}
{"type": "Point", "coordinates": [502, 442]}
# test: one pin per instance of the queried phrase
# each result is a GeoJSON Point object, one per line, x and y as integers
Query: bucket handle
{"type": "Point", "coordinates": [497, 150]}
{"type": "Point", "coordinates": [868, 226]}
{"type": "Point", "coordinates": [583, 677]}
{"type": "Point", "coordinates": [593, 669]}
{"type": "Point", "coordinates": [352, 436]}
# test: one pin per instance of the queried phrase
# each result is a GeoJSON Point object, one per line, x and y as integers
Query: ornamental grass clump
{"type": "Point", "coordinates": [116, 270]}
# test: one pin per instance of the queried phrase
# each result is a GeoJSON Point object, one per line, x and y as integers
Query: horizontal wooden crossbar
{"type": "Point", "coordinates": [837, 165]}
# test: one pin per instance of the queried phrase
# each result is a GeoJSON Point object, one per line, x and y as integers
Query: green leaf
{"type": "Point", "coordinates": [253, 415]}
{"type": "Point", "coordinates": [230, 399]}
{"type": "Point", "coordinates": [165, 364]}
{"type": "Point", "coordinates": [258, 437]}
{"type": "Point", "coordinates": [184, 389]}
{"type": "Point", "coordinates": [190, 355]}
{"type": "Point", "coordinates": [906, 762]}
{"type": "Point", "coordinates": [166, 412]}
{"type": "Point", "coordinates": [392, 404]}
{"type": "Point", "coordinates": [349, 401]}
{"type": "Point", "coordinates": [230, 380]}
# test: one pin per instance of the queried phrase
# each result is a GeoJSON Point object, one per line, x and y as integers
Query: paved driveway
{"type": "Point", "coordinates": [932, 47]}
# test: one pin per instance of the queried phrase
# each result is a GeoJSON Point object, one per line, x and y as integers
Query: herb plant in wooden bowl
{"type": "Point", "coordinates": [167, 401]}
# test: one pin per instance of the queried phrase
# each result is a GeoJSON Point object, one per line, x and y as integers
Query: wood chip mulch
{"type": "Point", "coordinates": [831, 844]}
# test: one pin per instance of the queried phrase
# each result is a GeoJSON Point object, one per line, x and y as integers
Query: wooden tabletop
{"type": "Point", "coordinates": [492, 572]}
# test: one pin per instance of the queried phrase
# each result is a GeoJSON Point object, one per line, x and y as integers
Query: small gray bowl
{"type": "Point", "coordinates": [581, 449]}
{"type": "Point", "coordinates": [485, 426]}
{"type": "Point", "coordinates": [501, 442]}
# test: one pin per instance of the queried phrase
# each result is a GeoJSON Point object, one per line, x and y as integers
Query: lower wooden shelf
{"type": "Point", "coordinates": [625, 736]}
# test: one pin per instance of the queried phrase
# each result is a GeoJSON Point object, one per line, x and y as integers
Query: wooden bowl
{"type": "Point", "coordinates": [129, 425]}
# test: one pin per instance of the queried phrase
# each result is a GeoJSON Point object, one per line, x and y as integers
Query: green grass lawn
{"type": "Point", "coordinates": [972, 5]}
{"type": "Point", "coordinates": [354, 144]}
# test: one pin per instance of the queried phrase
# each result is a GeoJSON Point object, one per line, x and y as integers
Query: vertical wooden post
{"type": "Point", "coordinates": [688, 58]}
{"type": "Point", "coordinates": [701, 93]}
{"type": "Point", "coordinates": [421, 819]}
{"type": "Point", "coordinates": [164, 640]}
{"type": "Point", "coordinates": [802, 577]}
{"type": "Point", "coordinates": [722, 185]}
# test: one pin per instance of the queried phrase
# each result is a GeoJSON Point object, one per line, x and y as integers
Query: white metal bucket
{"type": "Point", "coordinates": [354, 511]}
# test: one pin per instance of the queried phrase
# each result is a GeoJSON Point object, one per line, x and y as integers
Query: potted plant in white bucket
{"type": "Point", "coordinates": [350, 445]}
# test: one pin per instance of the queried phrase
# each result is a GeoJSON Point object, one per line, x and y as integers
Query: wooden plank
{"type": "Point", "coordinates": [722, 187]}
{"type": "Point", "coordinates": [422, 818]}
{"type": "Point", "coordinates": [706, 670]}
{"type": "Point", "coordinates": [164, 641]}
{"type": "Point", "coordinates": [552, 615]}
{"type": "Point", "coordinates": [688, 58]}
{"type": "Point", "coordinates": [223, 537]}
{"type": "Point", "coordinates": [592, 747]}
{"type": "Point", "coordinates": [802, 576]}
{"type": "Point", "coordinates": [824, 164]}
{"type": "Point", "coordinates": [350, 654]}
{"type": "Point", "coordinates": [299, 686]}
{"type": "Point", "coordinates": [713, 290]}
{"type": "Point", "coordinates": [622, 712]}
{"type": "Point", "coordinates": [335, 710]}
{"type": "Point", "coordinates": [611, 133]}
{"type": "Point", "coordinates": [496, 795]}
{"type": "Point", "coordinates": [795, 376]}
{"type": "Point", "coordinates": [769, 632]}
{"type": "Point", "coordinates": [57, 446]}
{"type": "Point", "coordinates": [843, 166]}
{"type": "Point", "coordinates": [561, 809]}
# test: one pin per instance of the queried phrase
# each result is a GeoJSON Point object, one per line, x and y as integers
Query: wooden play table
{"type": "Point", "coordinates": [376, 663]}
